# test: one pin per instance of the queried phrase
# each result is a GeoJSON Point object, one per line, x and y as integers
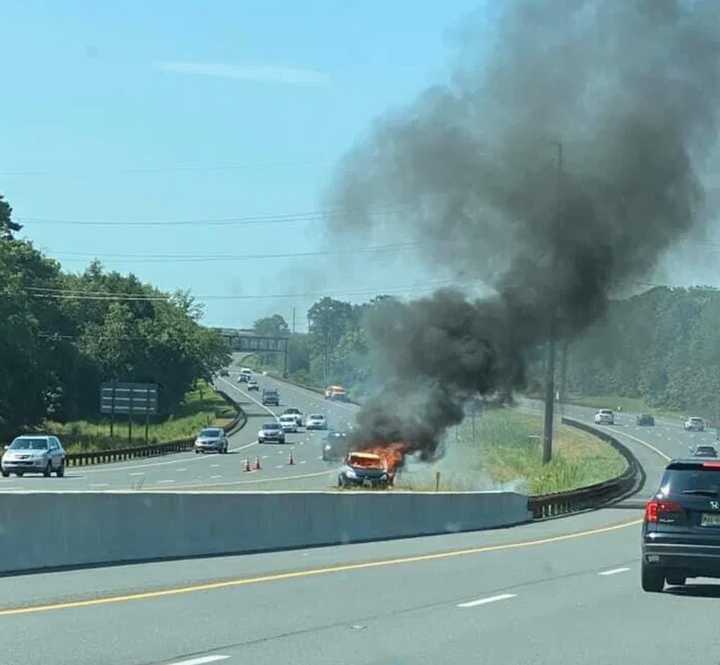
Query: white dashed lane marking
{"type": "Point", "coordinates": [490, 599]}
{"type": "Point", "coordinates": [614, 571]}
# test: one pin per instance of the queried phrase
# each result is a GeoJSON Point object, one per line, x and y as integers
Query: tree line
{"type": "Point", "coordinates": [662, 345]}
{"type": "Point", "coordinates": [63, 334]}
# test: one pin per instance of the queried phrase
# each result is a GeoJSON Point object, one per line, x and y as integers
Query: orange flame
{"type": "Point", "coordinates": [391, 454]}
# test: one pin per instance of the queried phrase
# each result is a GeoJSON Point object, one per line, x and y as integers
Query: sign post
{"type": "Point", "coordinates": [131, 398]}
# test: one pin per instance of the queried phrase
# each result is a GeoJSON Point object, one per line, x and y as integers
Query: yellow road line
{"type": "Point", "coordinates": [212, 586]}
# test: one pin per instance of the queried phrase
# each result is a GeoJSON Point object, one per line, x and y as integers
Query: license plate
{"type": "Point", "coordinates": [710, 519]}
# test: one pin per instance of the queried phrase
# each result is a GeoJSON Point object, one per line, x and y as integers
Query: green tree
{"type": "Point", "coordinates": [7, 225]}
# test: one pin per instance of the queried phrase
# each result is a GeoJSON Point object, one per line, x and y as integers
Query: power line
{"type": "Point", "coordinates": [194, 258]}
{"type": "Point", "coordinates": [63, 294]}
{"type": "Point", "coordinates": [281, 218]}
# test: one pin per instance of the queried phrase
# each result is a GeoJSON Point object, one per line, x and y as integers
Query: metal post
{"type": "Point", "coordinates": [112, 412]}
{"type": "Point", "coordinates": [285, 366]}
{"type": "Point", "coordinates": [562, 391]}
{"type": "Point", "coordinates": [549, 395]}
{"type": "Point", "coordinates": [147, 413]}
{"type": "Point", "coordinates": [130, 418]}
{"type": "Point", "coordinates": [550, 358]}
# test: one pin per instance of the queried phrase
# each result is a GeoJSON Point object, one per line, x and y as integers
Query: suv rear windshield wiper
{"type": "Point", "coordinates": [701, 492]}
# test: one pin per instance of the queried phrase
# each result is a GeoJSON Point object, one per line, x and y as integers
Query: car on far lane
{"type": "Point", "coordinates": [604, 417]}
{"type": "Point", "coordinates": [288, 422]}
{"type": "Point", "coordinates": [271, 432]}
{"type": "Point", "coordinates": [694, 424]}
{"type": "Point", "coordinates": [34, 453]}
{"type": "Point", "coordinates": [270, 397]}
{"type": "Point", "coordinates": [292, 411]}
{"type": "Point", "coordinates": [681, 528]}
{"type": "Point", "coordinates": [211, 439]}
{"type": "Point", "coordinates": [336, 446]}
{"type": "Point", "coordinates": [252, 384]}
{"type": "Point", "coordinates": [704, 451]}
{"type": "Point", "coordinates": [316, 421]}
{"type": "Point", "coordinates": [645, 419]}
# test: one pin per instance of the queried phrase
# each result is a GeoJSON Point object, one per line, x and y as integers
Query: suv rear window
{"type": "Point", "coordinates": [679, 478]}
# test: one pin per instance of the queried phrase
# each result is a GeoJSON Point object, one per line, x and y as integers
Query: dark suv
{"type": "Point", "coordinates": [681, 530]}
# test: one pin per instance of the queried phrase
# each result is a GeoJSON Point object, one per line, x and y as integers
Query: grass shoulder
{"type": "Point", "coordinates": [200, 408]}
{"type": "Point", "coordinates": [503, 450]}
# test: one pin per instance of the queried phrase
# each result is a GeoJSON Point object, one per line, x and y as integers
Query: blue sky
{"type": "Point", "coordinates": [183, 110]}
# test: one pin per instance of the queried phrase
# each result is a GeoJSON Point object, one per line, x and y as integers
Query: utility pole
{"type": "Point", "coordinates": [550, 347]}
{"type": "Point", "coordinates": [562, 390]}
{"type": "Point", "coordinates": [293, 321]}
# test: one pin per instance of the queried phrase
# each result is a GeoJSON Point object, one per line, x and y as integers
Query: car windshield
{"type": "Point", "coordinates": [315, 416]}
{"type": "Point", "coordinates": [29, 444]}
{"type": "Point", "coordinates": [271, 426]}
{"type": "Point", "coordinates": [211, 432]}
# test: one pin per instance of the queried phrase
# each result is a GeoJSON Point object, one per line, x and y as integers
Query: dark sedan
{"type": "Point", "coordinates": [645, 420]}
{"type": "Point", "coordinates": [681, 529]}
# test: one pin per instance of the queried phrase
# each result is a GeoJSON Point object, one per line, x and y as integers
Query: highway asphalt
{"type": "Point", "coordinates": [555, 592]}
{"type": "Point", "coordinates": [188, 471]}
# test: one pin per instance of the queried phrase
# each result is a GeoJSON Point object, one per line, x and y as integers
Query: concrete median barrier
{"type": "Point", "coordinates": [45, 530]}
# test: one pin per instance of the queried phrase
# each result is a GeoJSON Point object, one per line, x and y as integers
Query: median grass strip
{"type": "Point", "coordinates": [503, 450]}
{"type": "Point", "coordinates": [200, 408]}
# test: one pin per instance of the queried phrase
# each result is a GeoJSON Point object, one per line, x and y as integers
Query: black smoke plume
{"type": "Point", "coordinates": [629, 91]}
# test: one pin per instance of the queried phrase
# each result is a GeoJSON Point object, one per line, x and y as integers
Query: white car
{"type": "Point", "coordinates": [288, 422]}
{"type": "Point", "coordinates": [694, 424]}
{"type": "Point", "coordinates": [316, 421]}
{"type": "Point", "coordinates": [605, 417]}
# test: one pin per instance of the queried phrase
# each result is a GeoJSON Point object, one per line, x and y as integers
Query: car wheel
{"type": "Point", "coordinates": [48, 470]}
{"type": "Point", "coordinates": [676, 580]}
{"type": "Point", "coordinates": [652, 579]}
{"type": "Point", "coordinates": [60, 470]}
{"type": "Point", "coordinates": [197, 452]}
{"type": "Point", "coordinates": [341, 481]}
{"type": "Point", "coordinates": [19, 474]}
{"type": "Point", "coordinates": [6, 474]}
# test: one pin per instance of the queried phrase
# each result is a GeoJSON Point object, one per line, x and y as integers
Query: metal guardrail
{"type": "Point", "coordinates": [154, 449]}
{"type": "Point", "coordinates": [593, 496]}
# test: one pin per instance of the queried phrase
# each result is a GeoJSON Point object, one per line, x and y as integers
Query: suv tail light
{"type": "Point", "coordinates": [654, 507]}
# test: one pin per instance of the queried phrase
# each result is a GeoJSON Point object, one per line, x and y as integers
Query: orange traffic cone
{"type": "Point", "coordinates": [247, 464]}
{"type": "Point", "coordinates": [291, 461]}
{"type": "Point", "coordinates": [257, 464]}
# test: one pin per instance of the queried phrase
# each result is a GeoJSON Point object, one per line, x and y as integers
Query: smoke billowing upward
{"type": "Point", "coordinates": [630, 88]}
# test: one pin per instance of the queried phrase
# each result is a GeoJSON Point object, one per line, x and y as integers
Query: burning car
{"type": "Point", "coordinates": [372, 467]}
